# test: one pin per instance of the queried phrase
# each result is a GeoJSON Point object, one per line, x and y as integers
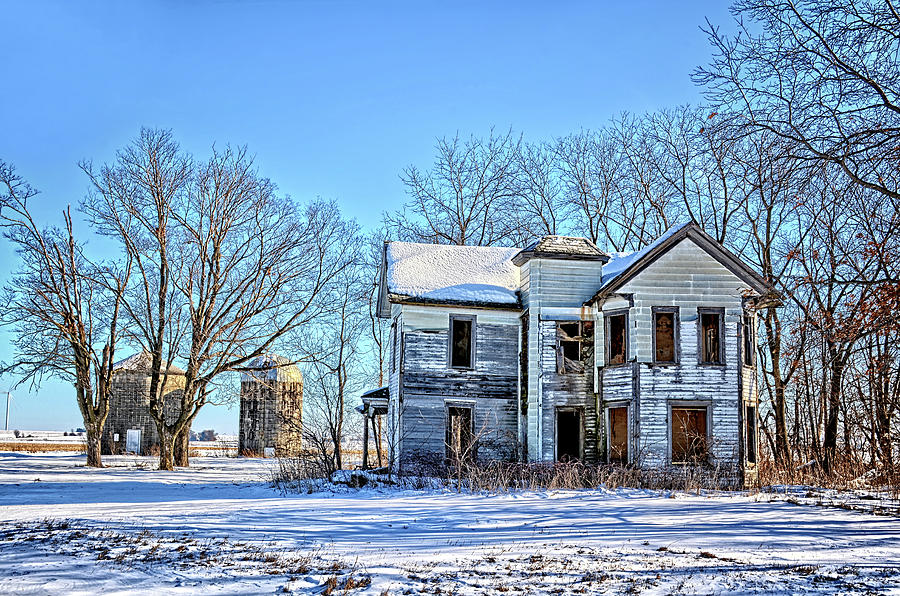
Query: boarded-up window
{"type": "Point", "coordinates": [749, 346]}
{"type": "Point", "coordinates": [574, 346]}
{"type": "Point", "coordinates": [617, 334]}
{"type": "Point", "coordinates": [462, 344]}
{"type": "Point", "coordinates": [711, 338]}
{"type": "Point", "coordinates": [665, 336]}
{"type": "Point", "coordinates": [689, 442]}
{"type": "Point", "coordinates": [618, 435]}
{"type": "Point", "coordinates": [459, 433]}
{"type": "Point", "coordinates": [751, 434]}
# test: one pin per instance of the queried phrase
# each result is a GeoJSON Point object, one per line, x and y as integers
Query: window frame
{"type": "Point", "coordinates": [607, 315]}
{"type": "Point", "coordinates": [689, 405]}
{"type": "Point", "coordinates": [676, 334]}
{"type": "Point", "coordinates": [394, 345]}
{"type": "Point", "coordinates": [708, 310]}
{"type": "Point", "coordinates": [560, 356]}
{"type": "Point", "coordinates": [748, 340]}
{"type": "Point", "coordinates": [472, 319]}
{"type": "Point", "coordinates": [751, 446]}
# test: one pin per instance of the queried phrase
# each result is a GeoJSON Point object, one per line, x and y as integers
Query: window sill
{"type": "Point", "coordinates": [713, 364]}
{"type": "Point", "coordinates": [619, 365]}
{"type": "Point", "coordinates": [664, 364]}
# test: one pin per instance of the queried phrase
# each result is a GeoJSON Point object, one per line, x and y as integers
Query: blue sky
{"type": "Point", "coordinates": [333, 98]}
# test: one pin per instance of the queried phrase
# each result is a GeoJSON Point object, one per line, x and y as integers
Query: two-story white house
{"type": "Point", "coordinates": [563, 351]}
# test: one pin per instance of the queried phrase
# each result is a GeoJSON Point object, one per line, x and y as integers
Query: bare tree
{"type": "Point", "coordinates": [63, 308]}
{"type": "Point", "coordinates": [232, 269]}
{"type": "Point", "coordinates": [339, 372]}
{"type": "Point", "coordinates": [823, 75]}
{"type": "Point", "coordinates": [466, 196]}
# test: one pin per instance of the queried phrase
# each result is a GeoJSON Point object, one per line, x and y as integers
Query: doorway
{"type": "Point", "coordinates": [618, 435]}
{"type": "Point", "coordinates": [568, 434]}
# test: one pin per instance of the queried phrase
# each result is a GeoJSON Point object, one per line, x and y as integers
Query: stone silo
{"type": "Point", "coordinates": [129, 427]}
{"type": "Point", "coordinates": [271, 408]}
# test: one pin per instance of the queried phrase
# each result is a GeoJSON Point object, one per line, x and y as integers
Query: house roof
{"type": "Point", "coordinates": [623, 267]}
{"type": "Point", "coordinates": [141, 362]}
{"type": "Point", "coordinates": [446, 274]}
{"type": "Point", "coordinates": [561, 247]}
{"type": "Point", "coordinates": [271, 367]}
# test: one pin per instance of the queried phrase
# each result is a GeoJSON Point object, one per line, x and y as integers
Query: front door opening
{"type": "Point", "coordinates": [568, 435]}
{"type": "Point", "coordinates": [459, 433]}
{"type": "Point", "coordinates": [618, 435]}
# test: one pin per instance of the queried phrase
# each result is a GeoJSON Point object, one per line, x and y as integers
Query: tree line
{"type": "Point", "coordinates": [792, 163]}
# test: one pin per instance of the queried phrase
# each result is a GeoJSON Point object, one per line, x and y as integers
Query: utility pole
{"type": "Point", "coordinates": [7, 410]}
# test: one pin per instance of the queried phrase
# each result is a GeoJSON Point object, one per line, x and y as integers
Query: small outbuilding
{"type": "Point", "coordinates": [271, 408]}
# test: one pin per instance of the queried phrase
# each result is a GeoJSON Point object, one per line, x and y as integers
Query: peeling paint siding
{"type": "Point", "coordinates": [689, 278]}
{"type": "Point", "coordinates": [429, 383]}
{"type": "Point", "coordinates": [555, 283]}
{"type": "Point", "coordinates": [567, 390]}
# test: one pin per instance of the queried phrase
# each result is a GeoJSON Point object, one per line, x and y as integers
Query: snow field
{"type": "Point", "coordinates": [219, 528]}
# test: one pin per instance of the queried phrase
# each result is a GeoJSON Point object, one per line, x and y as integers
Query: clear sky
{"type": "Point", "coordinates": [333, 98]}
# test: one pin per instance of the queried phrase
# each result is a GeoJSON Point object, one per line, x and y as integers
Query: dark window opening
{"type": "Point", "coordinates": [618, 435]}
{"type": "Point", "coordinates": [711, 338]}
{"type": "Point", "coordinates": [749, 343]}
{"type": "Point", "coordinates": [394, 346]}
{"type": "Point", "coordinates": [459, 433]}
{"type": "Point", "coordinates": [664, 330]}
{"type": "Point", "coordinates": [568, 435]}
{"type": "Point", "coordinates": [751, 434]}
{"type": "Point", "coordinates": [689, 444]}
{"type": "Point", "coordinates": [461, 344]}
{"type": "Point", "coordinates": [575, 343]}
{"type": "Point", "coordinates": [617, 334]}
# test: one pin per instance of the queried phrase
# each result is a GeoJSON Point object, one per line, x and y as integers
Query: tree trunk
{"type": "Point", "coordinates": [166, 450]}
{"type": "Point", "coordinates": [773, 332]}
{"type": "Point", "coordinates": [829, 441]}
{"type": "Point", "coordinates": [182, 447]}
{"type": "Point", "coordinates": [93, 446]}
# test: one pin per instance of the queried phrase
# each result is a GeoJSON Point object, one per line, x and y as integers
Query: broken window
{"type": "Point", "coordinates": [618, 435]}
{"type": "Point", "coordinates": [751, 434]}
{"type": "Point", "coordinates": [459, 433]}
{"type": "Point", "coordinates": [462, 344]}
{"type": "Point", "coordinates": [689, 442]}
{"type": "Point", "coordinates": [665, 332]}
{"type": "Point", "coordinates": [617, 339]}
{"type": "Point", "coordinates": [749, 344]}
{"type": "Point", "coordinates": [574, 345]}
{"type": "Point", "coordinates": [711, 337]}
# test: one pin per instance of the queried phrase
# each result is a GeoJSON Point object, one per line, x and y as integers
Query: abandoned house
{"type": "Point", "coordinates": [129, 427]}
{"type": "Point", "coordinates": [562, 351]}
{"type": "Point", "coordinates": [271, 421]}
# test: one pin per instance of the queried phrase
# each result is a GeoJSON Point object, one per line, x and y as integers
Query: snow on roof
{"type": "Point", "coordinates": [440, 272]}
{"type": "Point", "coordinates": [563, 246]}
{"type": "Point", "coordinates": [622, 261]}
{"type": "Point", "coordinates": [141, 362]}
{"type": "Point", "coordinates": [272, 367]}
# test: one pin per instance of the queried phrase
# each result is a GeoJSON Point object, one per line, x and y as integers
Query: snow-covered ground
{"type": "Point", "coordinates": [219, 528]}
